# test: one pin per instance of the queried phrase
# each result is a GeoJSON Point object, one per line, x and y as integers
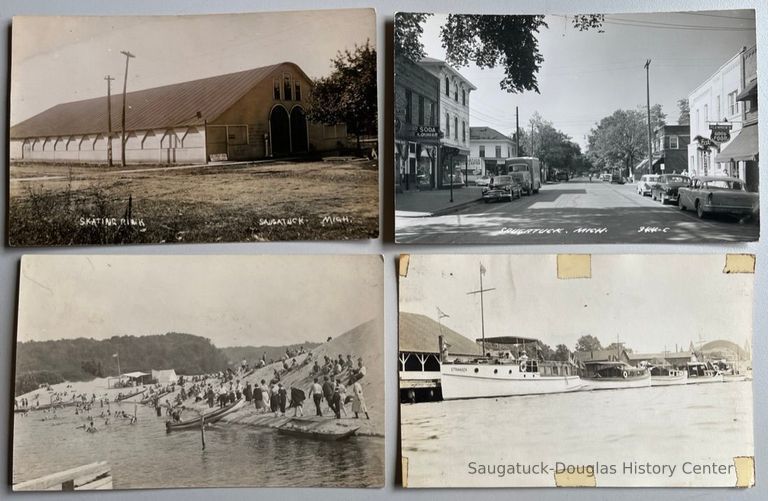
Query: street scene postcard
{"type": "Point", "coordinates": [576, 129]}
{"type": "Point", "coordinates": [576, 370]}
{"type": "Point", "coordinates": [206, 128]}
{"type": "Point", "coordinates": [148, 372]}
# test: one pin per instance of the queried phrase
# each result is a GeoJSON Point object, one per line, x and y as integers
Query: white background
{"type": "Point", "coordinates": [9, 258]}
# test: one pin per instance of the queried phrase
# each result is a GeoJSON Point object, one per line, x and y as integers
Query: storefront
{"type": "Point", "coordinates": [741, 157]}
{"type": "Point", "coordinates": [416, 155]}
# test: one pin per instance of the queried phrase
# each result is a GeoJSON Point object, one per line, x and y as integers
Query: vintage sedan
{"type": "Point", "coordinates": [718, 195]}
{"type": "Point", "coordinates": [665, 188]}
{"type": "Point", "coordinates": [645, 183]}
{"type": "Point", "coordinates": [502, 187]}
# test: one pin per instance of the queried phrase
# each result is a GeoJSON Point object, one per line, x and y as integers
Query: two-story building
{"type": "Point", "coordinates": [740, 154]}
{"type": "Point", "coordinates": [417, 126]}
{"type": "Point", "coordinates": [670, 147]}
{"type": "Point", "coordinates": [717, 103]}
{"type": "Point", "coordinates": [489, 149]}
{"type": "Point", "coordinates": [454, 120]}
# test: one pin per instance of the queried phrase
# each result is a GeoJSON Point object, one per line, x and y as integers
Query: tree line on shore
{"type": "Point", "coordinates": [83, 359]}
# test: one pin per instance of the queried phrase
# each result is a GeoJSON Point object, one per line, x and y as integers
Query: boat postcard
{"type": "Point", "coordinates": [198, 128]}
{"type": "Point", "coordinates": [576, 370]}
{"type": "Point", "coordinates": [576, 129]}
{"type": "Point", "coordinates": [148, 372]}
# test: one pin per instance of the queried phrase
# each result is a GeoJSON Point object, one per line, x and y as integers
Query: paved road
{"type": "Point", "coordinates": [577, 212]}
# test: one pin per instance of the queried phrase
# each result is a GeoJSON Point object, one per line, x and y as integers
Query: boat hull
{"type": "Point", "coordinates": [705, 379]}
{"type": "Point", "coordinates": [619, 383]}
{"type": "Point", "coordinates": [211, 417]}
{"type": "Point", "coordinates": [668, 380]}
{"type": "Point", "coordinates": [734, 378]}
{"type": "Point", "coordinates": [317, 430]}
{"type": "Point", "coordinates": [480, 381]}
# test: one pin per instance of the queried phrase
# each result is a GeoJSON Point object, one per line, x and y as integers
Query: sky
{"type": "Point", "coordinates": [232, 300]}
{"type": "Point", "coordinates": [62, 59]}
{"type": "Point", "coordinates": [650, 302]}
{"type": "Point", "coordinates": [588, 75]}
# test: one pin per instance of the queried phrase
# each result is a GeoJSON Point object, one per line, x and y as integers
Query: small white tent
{"type": "Point", "coordinates": [165, 376]}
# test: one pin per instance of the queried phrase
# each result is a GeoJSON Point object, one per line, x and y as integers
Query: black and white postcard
{"type": "Point", "coordinates": [576, 129]}
{"type": "Point", "coordinates": [207, 128]}
{"type": "Point", "coordinates": [136, 372]}
{"type": "Point", "coordinates": [576, 370]}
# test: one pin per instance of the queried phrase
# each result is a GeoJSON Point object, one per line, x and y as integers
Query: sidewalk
{"type": "Point", "coordinates": [435, 202]}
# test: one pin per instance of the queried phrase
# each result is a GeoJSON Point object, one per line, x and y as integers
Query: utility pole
{"type": "Point", "coordinates": [128, 57]}
{"type": "Point", "coordinates": [517, 132]}
{"type": "Point", "coordinates": [109, 79]}
{"type": "Point", "coordinates": [482, 309]}
{"type": "Point", "coordinates": [648, 107]}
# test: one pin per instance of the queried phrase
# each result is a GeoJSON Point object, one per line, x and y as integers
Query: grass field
{"type": "Point", "coordinates": [78, 205]}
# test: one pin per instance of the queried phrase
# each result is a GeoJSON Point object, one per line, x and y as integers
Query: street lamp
{"type": "Point", "coordinates": [648, 108]}
{"type": "Point", "coordinates": [128, 57]}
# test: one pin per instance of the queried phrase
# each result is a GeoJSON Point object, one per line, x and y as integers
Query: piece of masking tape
{"type": "Point", "coordinates": [745, 471]}
{"type": "Point", "coordinates": [582, 478]}
{"type": "Point", "coordinates": [403, 263]}
{"type": "Point", "coordinates": [574, 266]}
{"type": "Point", "coordinates": [404, 470]}
{"type": "Point", "coordinates": [739, 263]}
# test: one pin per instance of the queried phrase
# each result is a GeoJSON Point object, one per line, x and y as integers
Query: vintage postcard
{"type": "Point", "coordinates": [206, 128]}
{"type": "Point", "coordinates": [576, 370]}
{"type": "Point", "coordinates": [599, 128]}
{"type": "Point", "coordinates": [199, 371]}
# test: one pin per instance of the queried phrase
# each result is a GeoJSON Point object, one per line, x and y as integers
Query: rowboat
{"type": "Point", "coordinates": [329, 430]}
{"type": "Point", "coordinates": [211, 417]}
{"type": "Point", "coordinates": [121, 398]}
{"type": "Point", "coordinates": [158, 395]}
{"type": "Point", "coordinates": [43, 407]}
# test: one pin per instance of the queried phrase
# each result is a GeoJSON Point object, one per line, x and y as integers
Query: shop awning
{"type": "Point", "coordinates": [743, 146]}
{"type": "Point", "coordinates": [748, 92]}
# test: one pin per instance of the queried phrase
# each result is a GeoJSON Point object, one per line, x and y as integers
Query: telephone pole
{"type": "Point", "coordinates": [648, 107]}
{"type": "Point", "coordinates": [109, 79]}
{"type": "Point", "coordinates": [517, 133]}
{"type": "Point", "coordinates": [128, 57]}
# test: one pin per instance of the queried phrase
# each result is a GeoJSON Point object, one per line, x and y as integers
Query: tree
{"type": "Point", "coordinates": [408, 33]}
{"type": "Point", "coordinates": [588, 342]}
{"type": "Point", "coordinates": [685, 112]}
{"type": "Point", "coordinates": [488, 41]}
{"type": "Point", "coordinates": [621, 139]}
{"type": "Point", "coordinates": [562, 353]}
{"type": "Point", "coordinates": [348, 95]}
{"type": "Point", "coordinates": [617, 347]}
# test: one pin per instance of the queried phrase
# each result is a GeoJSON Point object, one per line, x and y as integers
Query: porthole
{"type": "Point", "coordinates": [477, 370]}
{"type": "Point", "coordinates": [495, 371]}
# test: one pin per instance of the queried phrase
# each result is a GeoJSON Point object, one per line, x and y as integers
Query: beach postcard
{"type": "Point", "coordinates": [145, 372]}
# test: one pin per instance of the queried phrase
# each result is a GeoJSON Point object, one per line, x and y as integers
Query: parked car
{"type": "Point", "coordinates": [483, 181]}
{"type": "Point", "coordinates": [666, 187]}
{"type": "Point", "coordinates": [646, 183]}
{"type": "Point", "coordinates": [606, 178]}
{"type": "Point", "coordinates": [502, 187]}
{"type": "Point", "coordinates": [523, 178]}
{"type": "Point", "coordinates": [718, 195]}
{"type": "Point", "coordinates": [618, 179]}
{"type": "Point", "coordinates": [561, 176]}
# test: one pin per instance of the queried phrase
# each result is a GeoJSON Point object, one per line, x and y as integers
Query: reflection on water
{"type": "Point", "coordinates": [673, 424]}
{"type": "Point", "coordinates": [143, 455]}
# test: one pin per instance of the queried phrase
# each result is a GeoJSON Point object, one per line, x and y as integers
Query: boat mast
{"type": "Point", "coordinates": [482, 308]}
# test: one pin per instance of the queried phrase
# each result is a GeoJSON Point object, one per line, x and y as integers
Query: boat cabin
{"type": "Point", "coordinates": [599, 370]}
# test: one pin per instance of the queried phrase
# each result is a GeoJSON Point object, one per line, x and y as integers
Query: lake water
{"type": "Point", "coordinates": [664, 427]}
{"type": "Point", "coordinates": [143, 455]}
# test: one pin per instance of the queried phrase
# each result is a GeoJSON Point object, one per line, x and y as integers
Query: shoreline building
{"type": "Point", "coordinates": [454, 92]}
{"type": "Point", "coordinates": [417, 127]}
{"type": "Point", "coordinates": [247, 115]}
{"type": "Point", "coordinates": [726, 101]}
{"type": "Point", "coordinates": [489, 150]}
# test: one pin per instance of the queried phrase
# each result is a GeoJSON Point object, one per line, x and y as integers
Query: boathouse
{"type": "Point", "coordinates": [419, 354]}
{"type": "Point", "coordinates": [248, 115]}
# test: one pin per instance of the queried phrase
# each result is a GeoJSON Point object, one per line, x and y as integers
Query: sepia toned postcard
{"type": "Point", "coordinates": [576, 129]}
{"type": "Point", "coordinates": [205, 128]}
{"type": "Point", "coordinates": [137, 372]}
{"type": "Point", "coordinates": [576, 370]}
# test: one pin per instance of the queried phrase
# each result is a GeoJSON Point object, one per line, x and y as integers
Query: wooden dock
{"type": "Point", "coordinates": [94, 476]}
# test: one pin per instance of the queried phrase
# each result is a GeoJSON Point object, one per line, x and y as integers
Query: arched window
{"type": "Point", "coordinates": [447, 87]}
{"type": "Point", "coordinates": [297, 90]}
{"type": "Point", "coordinates": [276, 89]}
